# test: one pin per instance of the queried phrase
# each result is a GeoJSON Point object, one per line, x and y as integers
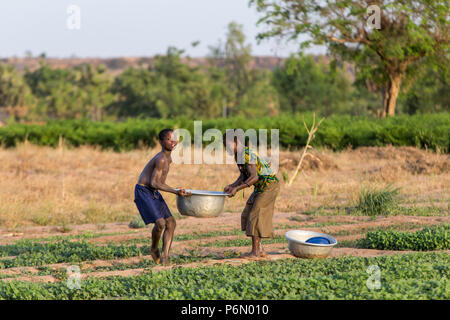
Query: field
{"type": "Point", "coordinates": [72, 207]}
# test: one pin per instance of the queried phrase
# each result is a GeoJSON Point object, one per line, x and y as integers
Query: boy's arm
{"type": "Point", "coordinates": [157, 182]}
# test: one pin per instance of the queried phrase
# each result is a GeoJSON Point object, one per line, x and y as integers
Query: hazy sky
{"type": "Point", "coordinates": [112, 28]}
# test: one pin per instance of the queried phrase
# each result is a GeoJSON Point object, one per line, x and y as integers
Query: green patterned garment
{"type": "Point", "coordinates": [265, 174]}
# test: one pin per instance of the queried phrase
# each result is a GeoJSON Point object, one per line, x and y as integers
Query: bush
{"type": "Point", "coordinates": [378, 201]}
{"type": "Point", "coordinates": [430, 238]}
{"type": "Point", "coordinates": [136, 222]}
{"type": "Point", "coordinates": [336, 132]}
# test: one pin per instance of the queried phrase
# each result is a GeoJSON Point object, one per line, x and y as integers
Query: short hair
{"type": "Point", "coordinates": [163, 133]}
{"type": "Point", "coordinates": [235, 136]}
{"type": "Point", "coordinates": [224, 137]}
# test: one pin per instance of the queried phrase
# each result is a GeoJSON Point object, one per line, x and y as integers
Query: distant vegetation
{"type": "Point", "coordinates": [226, 86]}
{"type": "Point", "coordinates": [407, 39]}
{"type": "Point", "coordinates": [337, 132]}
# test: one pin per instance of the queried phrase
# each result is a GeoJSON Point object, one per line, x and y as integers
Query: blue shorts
{"type": "Point", "coordinates": [150, 204]}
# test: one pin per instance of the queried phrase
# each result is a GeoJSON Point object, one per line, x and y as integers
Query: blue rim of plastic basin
{"type": "Point", "coordinates": [331, 244]}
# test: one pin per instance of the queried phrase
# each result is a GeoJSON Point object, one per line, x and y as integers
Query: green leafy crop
{"type": "Point", "coordinates": [410, 276]}
{"type": "Point", "coordinates": [29, 253]}
{"type": "Point", "coordinates": [430, 238]}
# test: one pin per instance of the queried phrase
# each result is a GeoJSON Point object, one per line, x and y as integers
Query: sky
{"type": "Point", "coordinates": [114, 28]}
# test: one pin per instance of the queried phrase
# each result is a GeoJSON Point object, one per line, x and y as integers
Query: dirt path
{"type": "Point", "coordinates": [120, 232]}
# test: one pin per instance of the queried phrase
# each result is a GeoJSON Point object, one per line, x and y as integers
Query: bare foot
{"type": "Point", "coordinates": [155, 255]}
{"type": "Point", "coordinates": [262, 253]}
{"type": "Point", "coordinates": [252, 255]}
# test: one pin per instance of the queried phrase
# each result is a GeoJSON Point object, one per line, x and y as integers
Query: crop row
{"type": "Point", "coordinates": [28, 253]}
{"type": "Point", "coordinates": [337, 132]}
{"type": "Point", "coordinates": [430, 238]}
{"type": "Point", "coordinates": [34, 253]}
{"type": "Point", "coordinates": [411, 276]}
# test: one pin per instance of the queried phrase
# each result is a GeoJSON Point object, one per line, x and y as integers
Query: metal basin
{"type": "Point", "coordinates": [300, 248]}
{"type": "Point", "coordinates": [201, 204]}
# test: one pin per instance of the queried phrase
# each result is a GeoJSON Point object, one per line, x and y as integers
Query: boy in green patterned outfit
{"type": "Point", "coordinates": [256, 218]}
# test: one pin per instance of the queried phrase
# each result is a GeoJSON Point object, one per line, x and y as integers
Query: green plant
{"type": "Point", "coordinates": [65, 228]}
{"type": "Point", "coordinates": [409, 276]}
{"type": "Point", "coordinates": [42, 220]}
{"type": "Point", "coordinates": [30, 253]}
{"type": "Point", "coordinates": [136, 222]}
{"type": "Point", "coordinates": [241, 242]}
{"type": "Point", "coordinates": [285, 176]}
{"type": "Point", "coordinates": [378, 201]}
{"type": "Point", "coordinates": [430, 238]}
{"type": "Point", "coordinates": [337, 132]}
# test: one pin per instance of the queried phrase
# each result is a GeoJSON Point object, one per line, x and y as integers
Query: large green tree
{"type": "Point", "coordinates": [56, 90]}
{"type": "Point", "coordinates": [80, 92]}
{"type": "Point", "coordinates": [410, 34]}
{"type": "Point", "coordinates": [95, 86]}
{"type": "Point", "coordinates": [168, 88]}
{"type": "Point", "coordinates": [181, 88]}
{"type": "Point", "coordinates": [246, 91]}
{"type": "Point", "coordinates": [15, 94]}
{"type": "Point", "coordinates": [307, 85]}
{"type": "Point", "coordinates": [429, 93]}
{"type": "Point", "coordinates": [134, 93]}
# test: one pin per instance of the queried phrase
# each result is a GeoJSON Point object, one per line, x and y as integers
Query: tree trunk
{"type": "Point", "coordinates": [99, 113]}
{"type": "Point", "coordinates": [390, 95]}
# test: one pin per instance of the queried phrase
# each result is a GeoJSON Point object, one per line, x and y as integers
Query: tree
{"type": "Point", "coordinates": [412, 33]}
{"type": "Point", "coordinates": [134, 94]}
{"type": "Point", "coordinates": [95, 85]}
{"type": "Point", "coordinates": [168, 88]}
{"type": "Point", "coordinates": [55, 90]}
{"type": "Point", "coordinates": [261, 98]}
{"type": "Point", "coordinates": [81, 92]}
{"type": "Point", "coordinates": [306, 85]}
{"type": "Point", "coordinates": [430, 93]}
{"type": "Point", "coordinates": [15, 94]}
{"type": "Point", "coordinates": [237, 58]}
{"type": "Point", "coordinates": [234, 56]}
{"type": "Point", "coordinates": [245, 91]}
{"type": "Point", "coordinates": [180, 89]}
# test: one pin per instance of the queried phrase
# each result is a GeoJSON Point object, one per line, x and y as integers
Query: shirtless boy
{"type": "Point", "coordinates": [149, 201]}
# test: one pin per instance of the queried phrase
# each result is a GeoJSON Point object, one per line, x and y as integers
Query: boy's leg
{"type": "Point", "coordinates": [157, 231]}
{"type": "Point", "coordinates": [167, 238]}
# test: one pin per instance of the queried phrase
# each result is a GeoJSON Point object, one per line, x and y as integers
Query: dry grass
{"type": "Point", "coordinates": [45, 186]}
